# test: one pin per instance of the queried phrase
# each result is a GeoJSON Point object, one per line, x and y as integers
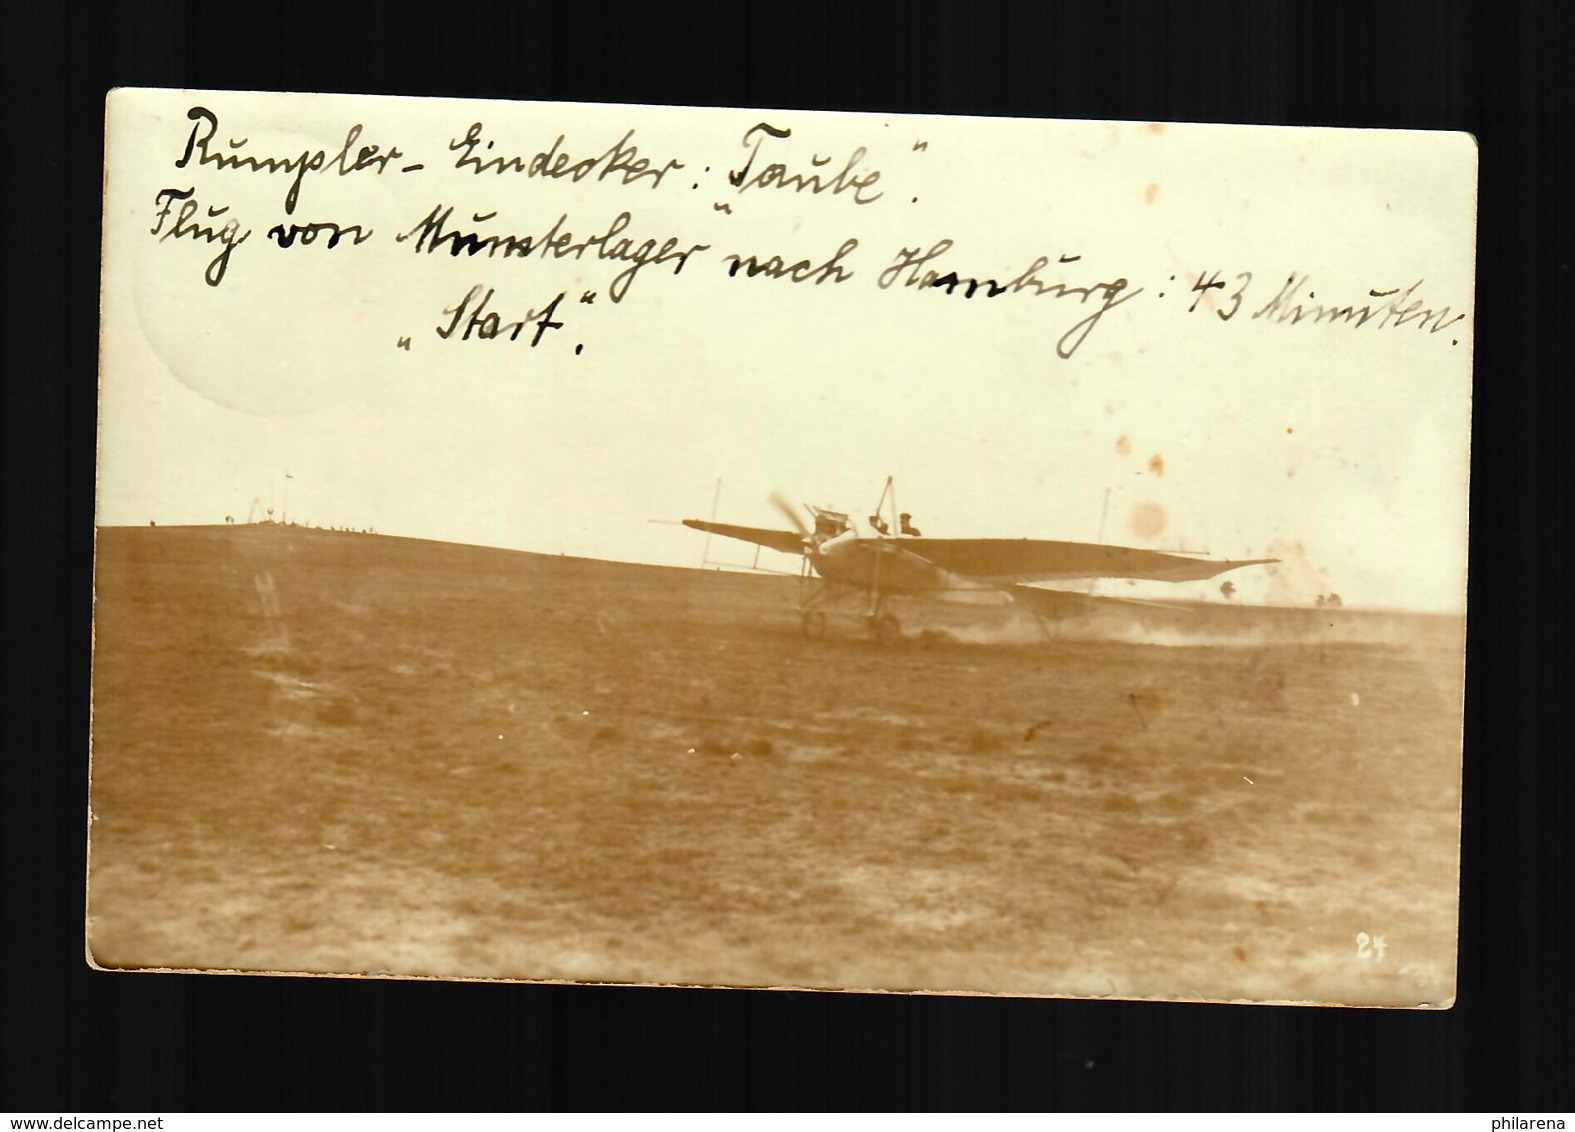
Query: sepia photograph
{"type": "Point", "coordinates": [784, 549]}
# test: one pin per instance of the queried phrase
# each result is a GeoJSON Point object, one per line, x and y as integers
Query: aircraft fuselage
{"type": "Point", "coordinates": [883, 565]}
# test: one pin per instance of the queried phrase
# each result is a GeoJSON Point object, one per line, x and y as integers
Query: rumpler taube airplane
{"type": "Point", "coordinates": [858, 574]}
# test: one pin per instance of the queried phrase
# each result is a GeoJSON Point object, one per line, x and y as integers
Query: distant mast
{"type": "Point", "coordinates": [716, 500]}
{"type": "Point", "coordinates": [1104, 512]}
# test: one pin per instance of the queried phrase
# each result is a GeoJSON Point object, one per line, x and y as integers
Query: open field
{"type": "Point", "coordinates": [350, 753]}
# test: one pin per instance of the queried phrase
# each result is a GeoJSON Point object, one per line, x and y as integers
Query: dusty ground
{"type": "Point", "coordinates": [337, 752]}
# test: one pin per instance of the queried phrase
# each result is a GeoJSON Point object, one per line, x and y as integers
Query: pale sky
{"type": "Point", "coordinates": [1342, 448]}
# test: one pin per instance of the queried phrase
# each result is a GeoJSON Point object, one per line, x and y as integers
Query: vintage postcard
{"type": "Point", "coordinates": [770, 548]}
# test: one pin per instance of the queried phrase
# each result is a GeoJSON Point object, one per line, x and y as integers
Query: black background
{"type": "Point", "coordinates": [77, 1040]}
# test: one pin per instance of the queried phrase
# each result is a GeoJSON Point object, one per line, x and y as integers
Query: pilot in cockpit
{"type": "Point", "coordinates": [905, 523]}
{"type": "Point", "coordinates": [880, 525]}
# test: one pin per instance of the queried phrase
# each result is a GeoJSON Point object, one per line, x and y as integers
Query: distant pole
{"type": "Point", "coordinates": [716, 501]}
{"type": "Point", "coordinates": [284, 511]}
{"type": "Point", "coordinates": [1103, 512]}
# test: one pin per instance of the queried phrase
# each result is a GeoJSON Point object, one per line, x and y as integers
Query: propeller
{"type": "Point", "coordinates": [793, 516]}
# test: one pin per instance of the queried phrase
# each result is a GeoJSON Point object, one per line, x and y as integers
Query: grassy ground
{"type": "Point", "coordinates": [341, 753]}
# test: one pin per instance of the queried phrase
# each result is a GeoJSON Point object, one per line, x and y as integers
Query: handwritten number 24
{"type": "Point", "coordinates": [1370, 946]}
{"type": "Point", "coordinates": [1210, 281]}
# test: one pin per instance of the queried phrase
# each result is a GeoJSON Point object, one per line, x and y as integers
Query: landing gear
{"type": "Point", "coordinates": [887, 629]}
{"type": "Point", "coordinates": [832, 599]}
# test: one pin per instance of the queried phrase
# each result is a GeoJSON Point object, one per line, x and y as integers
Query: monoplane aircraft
{"type": "Point", "coordinates": [866, 571]}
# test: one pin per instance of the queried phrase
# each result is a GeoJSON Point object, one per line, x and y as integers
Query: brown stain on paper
{"type": "Point", "coordinates": [1146, 519]}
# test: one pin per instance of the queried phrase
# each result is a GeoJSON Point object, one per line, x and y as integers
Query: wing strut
{"type": "Point", "coordinates": [888, 494]}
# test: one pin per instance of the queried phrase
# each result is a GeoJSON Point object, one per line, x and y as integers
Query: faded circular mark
{"type": "Point", "coordinates": [267, 344]}
{"type": "Point", "coordinates": [1147, 519]}
{"type": "Point", "coordinates": [284, 332]}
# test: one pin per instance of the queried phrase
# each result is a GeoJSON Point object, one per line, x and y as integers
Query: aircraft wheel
{"type": "Point", "coordinates": [814, 625]}
{"type": "Point", "coordinates": [887, 630]}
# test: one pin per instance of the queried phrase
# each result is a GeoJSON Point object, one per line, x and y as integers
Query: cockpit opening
{"type": "Point", "coordinates": [830, 524]}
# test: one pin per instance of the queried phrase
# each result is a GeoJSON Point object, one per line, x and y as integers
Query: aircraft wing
{"type": "Point", "coordinates": [1057, 604]}
{"type": "Point", "coordinates": [788, 542]}
{"type": "Point", "coordinates": [1007, 561]}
